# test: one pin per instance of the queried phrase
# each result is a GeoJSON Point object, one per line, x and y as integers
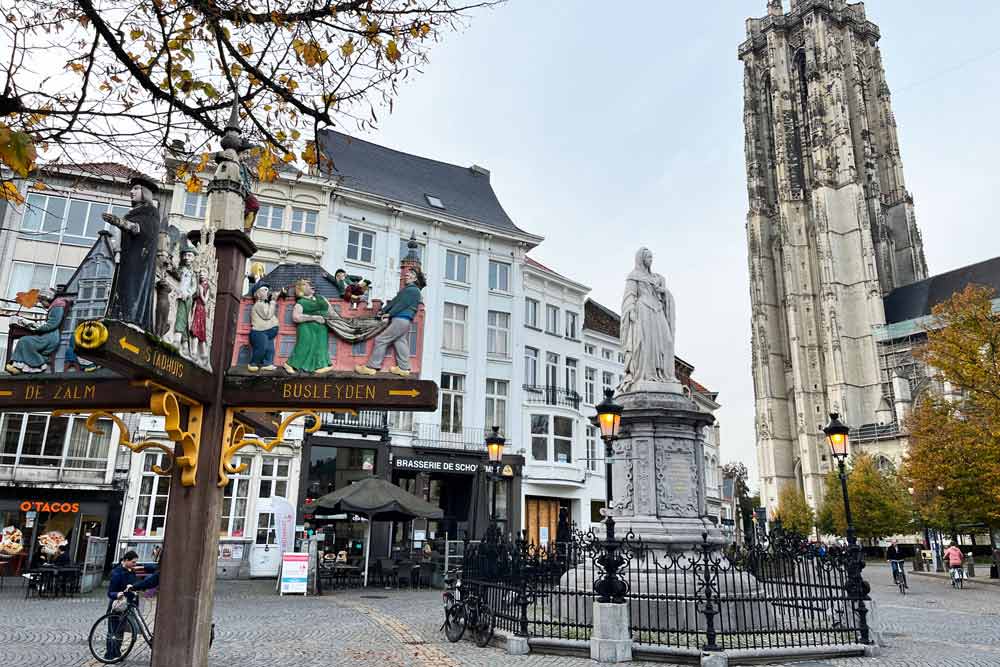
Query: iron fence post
{"type": "Point", "coordinates": [709, 575]}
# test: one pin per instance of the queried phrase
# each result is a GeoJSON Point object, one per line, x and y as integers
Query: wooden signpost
{"type": "Point", "coordinates": [209, 416]}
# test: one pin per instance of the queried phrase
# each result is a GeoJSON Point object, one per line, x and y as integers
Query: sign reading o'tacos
{"type": "Point", "coordinates": [42, 506]}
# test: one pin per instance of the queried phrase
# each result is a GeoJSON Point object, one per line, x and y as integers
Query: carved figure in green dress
{"type": "Point", "coordinates": [311, 352]}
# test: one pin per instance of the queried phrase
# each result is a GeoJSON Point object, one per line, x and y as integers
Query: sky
{"type": "Point", "coordinates": [609, 130]}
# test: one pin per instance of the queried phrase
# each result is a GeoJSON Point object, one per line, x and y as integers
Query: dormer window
{"type": "Point", "coordinates": [434, 201]}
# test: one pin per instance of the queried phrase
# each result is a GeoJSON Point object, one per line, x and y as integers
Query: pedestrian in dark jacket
{"type": "Point", "coordinates": [123, 582]}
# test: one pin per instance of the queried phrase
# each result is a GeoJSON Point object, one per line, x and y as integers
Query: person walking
{"type": "Point", "coordinates": [123, 582]}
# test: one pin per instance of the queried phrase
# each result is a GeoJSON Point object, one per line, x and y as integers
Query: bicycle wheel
{"type": "Point", "coordinates": [482, 633]}
{"type": "Point", "coordinates": [454, 622]}
{"type": "Point", "coordinates": [112, 638]}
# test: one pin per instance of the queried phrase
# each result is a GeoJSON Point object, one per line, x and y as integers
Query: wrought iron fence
{"type": "Point", "coordinates": [780, 593]}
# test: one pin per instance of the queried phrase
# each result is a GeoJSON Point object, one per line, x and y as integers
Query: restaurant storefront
{"type": "Point", "coordinates": [37, 517]}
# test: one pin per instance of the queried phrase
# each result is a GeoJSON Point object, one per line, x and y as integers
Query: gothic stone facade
{"type": "Point", "coordinates": [830, 230]}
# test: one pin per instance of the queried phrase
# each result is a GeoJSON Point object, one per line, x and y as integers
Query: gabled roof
{"type": "Point", "coordinates": [535, 264]}
{"type": "Point", "coordinates": [601, 319]}
{"type": "Point", "coordinates": [285, 275]}
{"type": "Point", "coordinates": [112, 170]}
{"type": "Point", "coordinates": [916, 299]}
{"type": "Point", "coordinates": [103, 247]}
{"type": "Point", "coordinates": [464, 192]}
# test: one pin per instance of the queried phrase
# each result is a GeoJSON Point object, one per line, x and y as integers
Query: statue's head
{"type": "Point", "coordinates": [644, 259]}
{"type": "Point", "coordinates": [187, 256]}
{"type": "Point", "coordinates": [303, 288]}
{"type": "Point", "coordinates": [143, 190]}
{"type": "Point", "coordinates": [261, 293]}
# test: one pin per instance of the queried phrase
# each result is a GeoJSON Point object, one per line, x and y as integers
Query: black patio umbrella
{"type": "Point", "coordinates": [378, 500]}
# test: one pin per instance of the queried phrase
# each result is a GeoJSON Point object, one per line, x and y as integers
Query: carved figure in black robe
{"type": "Point", "coordinates": [135, 279]}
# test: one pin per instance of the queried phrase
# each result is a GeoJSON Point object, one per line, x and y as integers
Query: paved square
{"type": "Point", "coordinates": [933, 626]}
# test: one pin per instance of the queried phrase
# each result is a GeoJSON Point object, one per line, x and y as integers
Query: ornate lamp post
{"type": "Point", "coordinates": [838, 436]}
{"type": "Point", "coordinates": [609, 587]}
{"type": "Point", "coordinates": [494, 451]}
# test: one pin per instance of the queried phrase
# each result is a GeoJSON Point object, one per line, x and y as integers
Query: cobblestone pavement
{"type": "Point", "coordinates": [932, 626]}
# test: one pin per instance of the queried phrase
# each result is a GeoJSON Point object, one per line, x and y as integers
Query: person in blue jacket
{"type": "Point", "coordinates": [399, 311]}
{"type": "Point", "coordinates": [123, 582]}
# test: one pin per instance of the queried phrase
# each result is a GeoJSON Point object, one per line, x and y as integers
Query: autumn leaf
{"type": "Point", "coordinates": [245, 48]}
{"type": "Point", "coordinates": [136, 33]}
{"type": "Point", "coordinates": [9, 192]}
{"type": "Point", "coordinates": [310, 52]}
{"type": "Point", "coordinates": [17, 150]}
{"type": "Point", "coordinates": [193, 184]}
{"type": "Point", "coordinates": [27, 299]}
{"type": "Point", "coordinates": [347, 48]}
{"type": "Point", "coordinates": [38, 185]}
{"type": "Point", "coordinates": [309, 154]}
{"type": "Point", "coordinates": [392, 51]}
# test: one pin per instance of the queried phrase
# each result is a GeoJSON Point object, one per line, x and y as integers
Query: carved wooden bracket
{"type": "Point", "coordinates": [238, 438]}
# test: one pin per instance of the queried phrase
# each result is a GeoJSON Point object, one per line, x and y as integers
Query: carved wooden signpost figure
{"type": "Point", "coordinates": [206, 412]}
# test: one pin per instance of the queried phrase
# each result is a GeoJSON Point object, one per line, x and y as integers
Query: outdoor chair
{"type": "Point", "coordinates": [404, 572]}
{"type": "Point", "coordinates": [387, 572]}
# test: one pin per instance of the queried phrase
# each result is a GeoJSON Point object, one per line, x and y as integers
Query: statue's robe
{"type": "Point", "coordinates": [135, 279]}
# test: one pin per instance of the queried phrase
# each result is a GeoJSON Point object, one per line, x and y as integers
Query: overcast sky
{"type": "Point", "coordinates": [609, 130]}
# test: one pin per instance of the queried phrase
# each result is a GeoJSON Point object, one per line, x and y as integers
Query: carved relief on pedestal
{"type": "Point", "coordinates": [677, 484]}
{"type": "Point", "coordinates": [642, 465]}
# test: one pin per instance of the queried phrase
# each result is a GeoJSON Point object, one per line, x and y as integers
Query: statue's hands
{"type": "Point", "coordinates": [112, 219]}
{"type": "Point", "coordinates": [319, 318]}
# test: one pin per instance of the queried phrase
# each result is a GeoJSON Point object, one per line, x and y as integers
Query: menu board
{"type": "Point", "coordinates": [294, 572]}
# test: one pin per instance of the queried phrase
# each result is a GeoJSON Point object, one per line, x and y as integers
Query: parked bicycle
{"type": "Point", "coordinates": [899, 575]}
{"type": "Point", "coordinates": [113, 636]}
{"type": "Point", "coordinates": [467, 611]}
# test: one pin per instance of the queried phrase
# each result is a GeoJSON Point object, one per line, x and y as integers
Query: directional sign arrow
{"type": "Point", "coordinates": [127, 346]}
{"type": "Point", "coordinates": [412, 393]}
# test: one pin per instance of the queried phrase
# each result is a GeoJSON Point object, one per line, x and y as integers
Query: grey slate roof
{"type": "Point", "coordinates": [367, 167]}
{"type": "Point", "coordinates": [916, 299]}
{"type": "Point", "coordinates": [285, 275]}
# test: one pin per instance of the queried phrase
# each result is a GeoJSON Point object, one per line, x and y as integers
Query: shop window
{"type": "Point", "coordinates": [154, 489]}
{"type": "Point", "coordinates": [332, 468]}
{"type": "Point", "coordinates": [452, 399]}
{"type": "Point", "coordinates": [234, 501]}
{"type": "Point", "coordinates": [273, 477]}
{"type": "Point", "coordinates": [496, 404]}
{"type": "Point", "coordinates": [540, 437]}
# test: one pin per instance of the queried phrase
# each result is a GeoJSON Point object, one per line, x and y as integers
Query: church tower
{"type": "Point", "coordinates": [830, 230]}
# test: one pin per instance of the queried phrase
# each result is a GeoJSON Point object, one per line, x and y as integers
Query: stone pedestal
{"type": "Point", "coordinates": [659, 474]}
{"type": "Point", "coordinates": [610, 640]}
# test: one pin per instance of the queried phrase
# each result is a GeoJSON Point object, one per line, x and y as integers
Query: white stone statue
{"type": "Point", "coordinates": [647, 328]}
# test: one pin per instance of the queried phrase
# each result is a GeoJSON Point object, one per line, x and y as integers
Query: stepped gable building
{"type": "Point", "coordinates": [838, 280]}
{"type": "Point", "coordinates": [830, 230]}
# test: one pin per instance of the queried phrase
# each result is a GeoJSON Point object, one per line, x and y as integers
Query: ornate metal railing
{"type": "Point", "coordinates": [568, 398]}
{"type": "Point", "coordinates": [468, 438]}
{"type": "Point", "coordinates": [362, 421]}
{"type": "Point", "coordinates": [781, 593]}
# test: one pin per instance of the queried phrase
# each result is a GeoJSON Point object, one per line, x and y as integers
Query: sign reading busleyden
{"type": "Point", "coordinates": [335, 390]}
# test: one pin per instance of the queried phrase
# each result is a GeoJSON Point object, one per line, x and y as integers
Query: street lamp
{"type": "Point", "coordinates": [838, 436]}
{"type": "Point", "coordinates": [610, 587]}
{"type": "Point", "coordinates": [494, 451]}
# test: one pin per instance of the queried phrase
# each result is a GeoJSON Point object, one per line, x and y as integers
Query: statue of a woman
{"type": "Point", "coordinates": [311, 352]}
{"type": "Point", "coordinates": [647, 327]}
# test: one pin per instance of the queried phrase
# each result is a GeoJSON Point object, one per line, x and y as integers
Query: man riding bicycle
{"type": "Point", "coordinates": [895, 557]}
{"type": "Point", "coordinates": [124, 582]}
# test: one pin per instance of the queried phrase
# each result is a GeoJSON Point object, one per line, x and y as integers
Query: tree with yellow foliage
{"type": "Point", "coordinates": [953, 464]}
{"type": "Point", "coordinates": [880, 504]}
{"type": "Point", "coordinates": [793, 511]}
{"type": "Point", "coordinates": [86, 78]}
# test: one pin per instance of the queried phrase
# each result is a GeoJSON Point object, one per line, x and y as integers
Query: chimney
{"type": "Point", "coordinates": [480, 171]}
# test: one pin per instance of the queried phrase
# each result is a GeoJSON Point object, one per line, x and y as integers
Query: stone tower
{"type": "Point", "coordinates": [830, 230]}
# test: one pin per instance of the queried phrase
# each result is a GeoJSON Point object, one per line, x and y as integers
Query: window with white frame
{"type": "Point", "coordinates": [498, 333]}
{"type": "Point", "coordinates": [26, 276]}
{"type": "Point", "coordinates": [304, 220]}
{"type": "Point", "coordinates": [70, 221]}
{"type": "Point", "coordinates": [195, 205]}
{"type": "Point", "coordinates": [234, 501]}
{"type": "Point", "coordinates": [499, 276]}
{"type": "Point", "coordinates": [274, 477]}
{"type": "Point", "coordinates": [413, 338]}
{"type": "Point", "coordinates": [88, 450]}
{"type": "Point", "coordinates": [454, 327]}
{"type": "Point", "coordinates": [540, 437]}
{"type": "Point", "coordinates": [621, 357]}
{"type": "Point", "coordinates": [562, 439]}
{"type": "Point", "coordinates": [589, 349]}
{"type": "Point", "coordinates": [607, 380]}
{"type": "Point", "coordinates": [42, 440]}
{"type": "Point", "coordinates": [452, 401]}
{"type": "Point", "coordinates": [360, 245]}
{"type": "Point", "coordinates": [401, 420]}
{"type": "Point", "coordinates": [404, 250]}
{"type": "Point", "coordinates": [530, 366]}
{"type": "Point", "coordinates": [591, 448]}
{"type": "Point", "coordinates": [154, 489]}
{"type": "Point", "coordinates": [531, 313]}
{"type": "Point", "coordinates": [496, 403]}
{"type": "Point", "coordinates": [571, 377]}
{"type": "Point", "coordinates": [456, 266]}
{"type": "Point", "coordinates": [590, 385]}
{"type": "Point", "coordinates": [270, 216]}
{"type": "Point", "coordinates": [45, 440]}
{"type": "Point", "coordinates": [571, 322]}
{"type": "Point", "coordinates": [551, 370]}
{"type": "Point", "coordinates": [552, 319]}
{"type": "Point", "coordinates": [607, 354]}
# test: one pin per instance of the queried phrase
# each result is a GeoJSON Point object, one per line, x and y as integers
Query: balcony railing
{"type": "Point", "coordinates": [470, 438]}
{"type": "Point", "coordinates": [364, 421]}
{"type": "Point", "coordinates": [552, 396]}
